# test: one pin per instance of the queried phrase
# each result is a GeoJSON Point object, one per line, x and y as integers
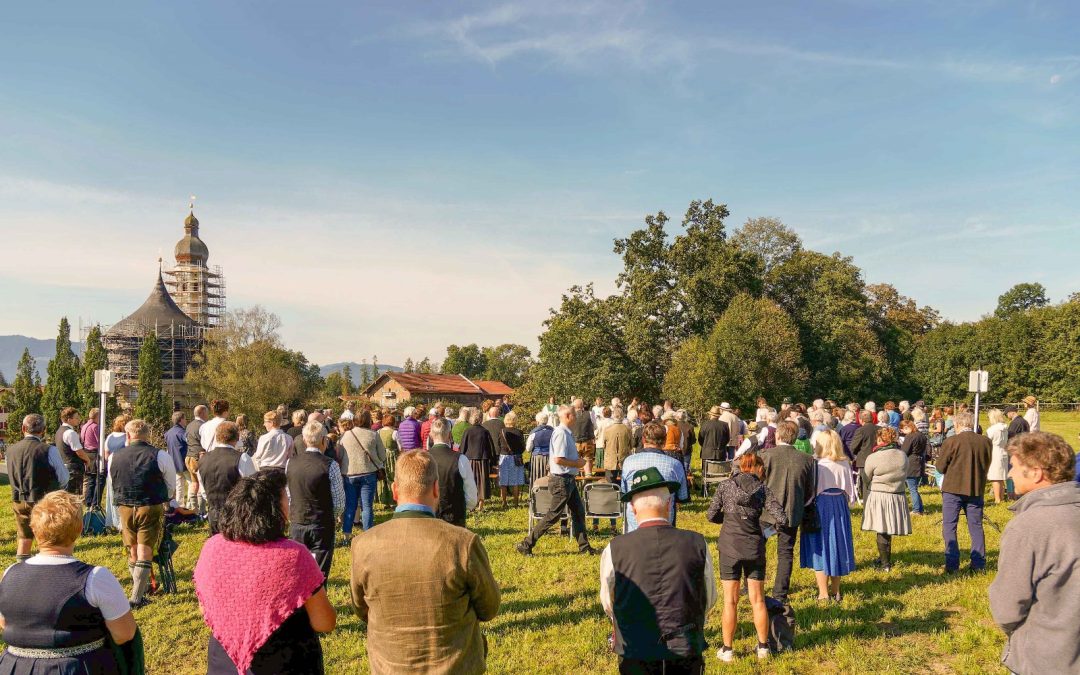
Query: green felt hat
{"type": "Point", "coordinates": [648, 479]}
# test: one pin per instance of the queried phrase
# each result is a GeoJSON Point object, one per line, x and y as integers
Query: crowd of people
{"type": "Point", "coordinates": [277, 501]}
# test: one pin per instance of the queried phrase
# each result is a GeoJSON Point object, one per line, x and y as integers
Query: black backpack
{"type": "Point", "coordinates": [781, 626]}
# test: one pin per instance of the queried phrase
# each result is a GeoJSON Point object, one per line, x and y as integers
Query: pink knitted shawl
{"type": "Point", "coordinates": [246, 591]}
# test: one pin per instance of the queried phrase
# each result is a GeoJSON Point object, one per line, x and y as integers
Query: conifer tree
{"type": "Point", "coordinates": [25, 397]}
{"type": "Point", "coordinates": [94, 359]}
{"type": "Point", "coordinates": [62, 384]}
{"type": "Point", "coordinates": [151, 404]}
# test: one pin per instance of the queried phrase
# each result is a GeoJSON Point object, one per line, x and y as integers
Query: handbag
{"type": "Point", "coordinates": [380, 472]}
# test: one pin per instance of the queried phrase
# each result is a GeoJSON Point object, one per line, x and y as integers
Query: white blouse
{"type": "Point", "coordinates": [835, 475]}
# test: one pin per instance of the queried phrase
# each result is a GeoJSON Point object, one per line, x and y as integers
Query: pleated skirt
{"type": "Point", "coordinates": [480, 469]}
{"type": "Point", "coordinates": [887, 513]}
{"type": "Point", "coordinates": [538, 467]}
{"type": "Point", "coordinates": [832, 549]}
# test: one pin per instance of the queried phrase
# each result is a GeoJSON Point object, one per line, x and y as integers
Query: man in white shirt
{"type": "Point", "coordinates": [657, 565]}
{"type": "Point", "coordinates": [208, 431]}
{"type": "Point", "coordinates": [275, 447]}
{"type": "Point", "coordinates": [71, 450]}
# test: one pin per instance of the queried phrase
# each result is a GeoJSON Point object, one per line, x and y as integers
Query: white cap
{"type": "Point", "coordinates": [725, 405]}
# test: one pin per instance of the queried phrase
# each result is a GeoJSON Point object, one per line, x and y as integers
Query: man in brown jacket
{"type": "Point", "coordinates": [964, 460]}
{"type": "Point", "coordinates": [422, 616]}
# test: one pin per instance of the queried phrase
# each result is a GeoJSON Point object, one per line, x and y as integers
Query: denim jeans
{"type": "Point", "coordinates": [951, 505]}
{"type": "Point", "coordinates": [359, 489]}
{"type": "Point", "coordinates": [916, 498]}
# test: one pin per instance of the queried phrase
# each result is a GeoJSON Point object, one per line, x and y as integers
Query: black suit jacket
{"type": "Point", "coordinates": [791, 477]}
{"type": "Point", "coordinates": [863, 442]}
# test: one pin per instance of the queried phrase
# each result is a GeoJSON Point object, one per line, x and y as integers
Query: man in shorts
{"type": "Point", "coordinates": [34, 469]}
{"type": "Point", "coordinates": [144, 481]}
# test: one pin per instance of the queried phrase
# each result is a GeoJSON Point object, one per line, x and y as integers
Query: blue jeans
{"type": "Point", "coordinates": [916, 498]}
{"type": "Point", "coordinates": [951, 505]}
{"type": "Point", "coordinates": [360, 488]}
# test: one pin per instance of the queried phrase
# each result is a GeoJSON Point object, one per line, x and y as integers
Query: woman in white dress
{"type": "Point", "coordinates": [114, 442]}
{"type": "Point", "coordinates": [1032, 413]}
{"type": "Point", "coordinates": [998, 471]}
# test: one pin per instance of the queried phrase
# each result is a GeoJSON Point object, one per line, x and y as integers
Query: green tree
{"type": "Point", "coordinates": [25, 397]}
{"type": "Point", "coordinates": [467, 360]}
{"type": "Point", "coordinates": [3, 380]}
{"type": "Point", "coordinates": [62, 384]}
{"type": "Point", "coordinates": [94, 358]}
{"type": "Point", "coordinates": [408, 367]}
{"type": "Point", "coordinates": [347, 380]}
{"type": "Point", "coordinates": [1020, 298]}
{"type": "Point", "coordinates": [365, 374]}
{"type": "Point", "coordinates": [425, 367]}
{"type": "Point", "coordinates": [151, 403]}
{"type": "Point", "coordinates": [245, 362]}
{"type": "Point", "coordinates": [899, 325]}
{"type": "Point", "coordinates": [507, 363]}
{"type": "Point", "coordinates": [770, 241]}
{"type": "Point", "coordinates": [753, 350]}
{"type": "Point", "coordinates": [334, 385]}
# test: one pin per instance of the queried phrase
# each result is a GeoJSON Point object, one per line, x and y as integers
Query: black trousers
{"type": "Point", "coordinates": [93, 482]}
{"type": "Point", "coordinates": [564, 494]}
{"type": "Point", "coordinates": [690, 665]}
{"type": "Point", "coordinates": [319, 539]}
{"type": "Point", "coordinates": [785, 560]}
{"type": "Point", "coordinates": [76, 473]}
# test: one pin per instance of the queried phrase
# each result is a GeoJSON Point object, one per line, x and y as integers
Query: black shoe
{"type": "Point", "coordinates": [523, 549]}
{"type": "Point", "coordinates": [136, 604]}
{"type": "Point", "coordinates": [950, 572]}
{"type": "Point", "coordinates": [589, 550]}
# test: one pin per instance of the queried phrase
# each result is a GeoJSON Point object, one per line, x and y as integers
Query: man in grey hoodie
{"type": "Point", "coordinates": [1037, 588]}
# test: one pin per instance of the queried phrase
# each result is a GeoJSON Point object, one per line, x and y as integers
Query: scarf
{"type": "Point", "coordinates": [246, 591]}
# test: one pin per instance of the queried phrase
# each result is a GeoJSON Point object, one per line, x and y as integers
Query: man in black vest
{"type": "Point", "coordinates": [71, 450]}
{"type": "Point", "coordinates": [143, 481]}
{"type": "Point", "coordinates": [316, 497]}
{"type": "Point", "coordinates": [657, 583]}
{"type": "Point", "coordinates": [457, 487]}
{"type": "Point", "coordinates": [714, 436]}
{"type": "Point", "coordinates": [34, 469]}
{"type": "Point", "coordinates": [221, 468]}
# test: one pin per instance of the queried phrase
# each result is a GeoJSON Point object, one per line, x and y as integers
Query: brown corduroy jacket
{"type": "Point", "coordinates": [964, 460]}
{"type": "Point", "coordinates": [618, 444]}
{"type": "Point", "coordinates": [423, 586]}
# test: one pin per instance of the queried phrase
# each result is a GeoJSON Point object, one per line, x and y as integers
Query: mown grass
{"type": "Point", "coordinates": [910, 620]}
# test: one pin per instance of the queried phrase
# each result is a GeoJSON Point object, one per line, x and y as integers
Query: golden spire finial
{"type": "Point", "coordinates": [191, 204]}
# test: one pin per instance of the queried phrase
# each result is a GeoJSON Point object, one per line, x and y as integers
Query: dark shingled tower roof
{"type": "Point", "coordinates": [158, 310]}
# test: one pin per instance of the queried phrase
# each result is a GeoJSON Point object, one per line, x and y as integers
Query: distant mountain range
{"type": "Point", "coordinates": [355, 368]}
{"type": "Point", "coordinates": [12, 346]}
{"type": "Point", "coordinates": [11, 350]}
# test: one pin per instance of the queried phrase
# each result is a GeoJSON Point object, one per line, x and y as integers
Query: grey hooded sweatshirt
{"type": "Point", "coordinates": [1035, 597]}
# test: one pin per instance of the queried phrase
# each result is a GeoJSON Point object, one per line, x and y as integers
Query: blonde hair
{"type": "Point", "coordinates": [137, 428]}
{"type": "Point", "coordinates": [996, 416]}
{"type": "Point", "coordinates": [119, 423]}
{"type": "Point", "coordinates": [829, 446]}
{"type": "Point", "coordinates": [57, 519]}
{"type": "Point", "coordinates": [272, 416]}
{"type": "Point", "coordinates": [511, 419]}
{"type": "Point", "coordinates": [414, 473]}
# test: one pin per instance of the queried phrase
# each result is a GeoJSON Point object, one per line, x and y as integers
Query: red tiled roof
{"type": "Point", "coordinates": [494, 387]}
{"type": "Point", "coordinates": [433, 385]}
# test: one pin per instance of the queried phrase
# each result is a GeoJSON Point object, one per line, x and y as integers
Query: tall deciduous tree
{"type": "Point", "coordinates": [467, 360]}
{"type": "Point", "coordinates": [151, 403]}
{"type": "Point", "coordinates": [425, 367]}
{"type": "Point", "coordinates": [408, 367]}
{"type": "Point", "coordinates": [1020, 298]}
{"type": "Point", "coordinates": [62, 384]}
{"type": "Point", "coordinates": [244, 362]}
{"type": "Point", "coordinates": [25, 396]}
{"type": "Point", "coordinates": [769, 240]}
{"type": "Point", "coordinates": [507, 363]}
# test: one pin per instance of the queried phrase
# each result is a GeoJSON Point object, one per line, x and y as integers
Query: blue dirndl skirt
{"type": "Point", "coordinates": [509, 473]}
{"type": "Point", "coordinates": [832, 549]}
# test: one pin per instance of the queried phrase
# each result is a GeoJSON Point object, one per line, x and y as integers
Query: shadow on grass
{"type": "Point", "coordinates": [546, 612]}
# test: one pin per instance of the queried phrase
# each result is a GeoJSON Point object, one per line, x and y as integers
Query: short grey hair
{"type": "Point", "coordinates": [542, 417]}
{"type": "Point", "coordinates": [475, 416]}
{"type": "Point", "coordinates": [656, 498]}
{"type": "Point", "coordinates": [817, 415]}
{"type": "Point", "coordinates": [772, 416]}
{"type": "Point", "coordinates": [201, 410]}
{"type": "Point", "coordinates": [314, 433]}
{"type": "Point", "coordinates": [440, 429]}
{"type": "Point", "coordinates": [33, 424]}
{"type": "Point", "coordinates": [177, 416]}
{"type": "Point", "coordinates": [965, 421]}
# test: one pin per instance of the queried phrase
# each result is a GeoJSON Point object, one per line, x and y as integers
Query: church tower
{"type": "Point", "coordinates": [198, 289]}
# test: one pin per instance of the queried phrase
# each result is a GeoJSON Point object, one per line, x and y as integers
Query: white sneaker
{"type": "Point", "coordinates": [725, 655]}
{"type": "Point", "coordinates": [762, 653]}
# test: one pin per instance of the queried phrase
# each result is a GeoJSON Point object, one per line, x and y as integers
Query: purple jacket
{"type": "Point", "coordinates": [409, 434]}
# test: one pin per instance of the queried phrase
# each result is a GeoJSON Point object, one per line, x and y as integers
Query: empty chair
{"type": "Point", "coordinates": [602, 501]}
{"type": "Point", "coordinates": [712, 472]}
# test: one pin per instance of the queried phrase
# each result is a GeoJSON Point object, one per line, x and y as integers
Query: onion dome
{"type": "Point", "coordinates": [191, 249]}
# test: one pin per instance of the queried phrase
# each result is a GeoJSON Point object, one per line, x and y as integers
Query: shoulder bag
{"type": "Point", "coordinates": [518, 461]}
{"type": "Point", "coordinates": [810, 520]}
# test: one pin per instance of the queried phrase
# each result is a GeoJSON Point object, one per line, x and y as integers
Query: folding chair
{"type": "Point", "coordinates": [712, 472]}
{"type": "Point", "coordinates": [602, 501]}
{"type": "Point", "coordinates": [540, 502]}
{"type": "Point", "coordinates": [166, 574]}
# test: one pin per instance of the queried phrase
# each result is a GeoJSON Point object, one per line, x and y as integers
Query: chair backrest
{"type": "Point", "coordinates": [602, 499]}
{"type": "Point", "coordinates": [714, 469]}
{"type": "Point", "coordinates": [540, 500]}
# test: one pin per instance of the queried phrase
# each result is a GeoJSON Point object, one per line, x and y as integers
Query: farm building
{"type": "Point", "coordinates": [391, 389]}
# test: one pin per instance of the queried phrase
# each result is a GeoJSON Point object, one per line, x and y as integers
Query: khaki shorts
{"type": "Point", "coordinates": [22, 519]}
{"type": "Point", "coordinates": [586, 449]}
{"type": "Point", "coordinates": [142, 525]}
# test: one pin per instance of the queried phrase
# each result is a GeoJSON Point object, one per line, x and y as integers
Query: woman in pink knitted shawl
{"type": "Point", "coordinates": [260, 593]}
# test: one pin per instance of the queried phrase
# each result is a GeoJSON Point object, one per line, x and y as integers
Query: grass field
{"type": "Point", "coordinates": [909, 620]}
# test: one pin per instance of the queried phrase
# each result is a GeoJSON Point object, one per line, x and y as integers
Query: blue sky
{"type": "Point", "coordinates": [393, 177]}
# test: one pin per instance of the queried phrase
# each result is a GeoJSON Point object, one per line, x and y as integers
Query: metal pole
{"type": "Point", "coordinates": [976, 410]}
{"type": "Point", "coordinates": [101, 426]}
